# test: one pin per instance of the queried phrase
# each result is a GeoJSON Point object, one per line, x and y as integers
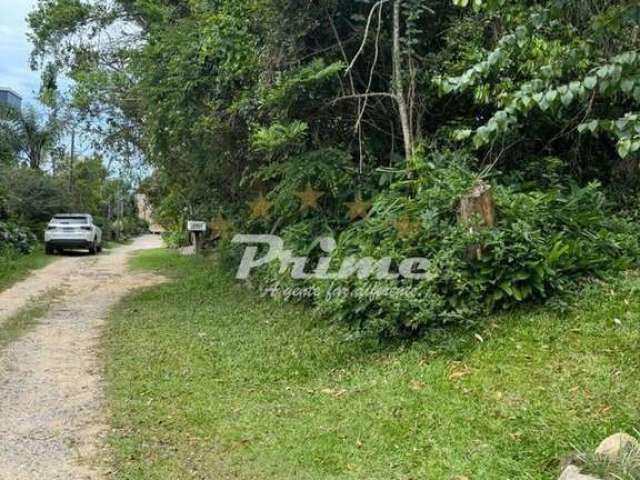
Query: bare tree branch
{"type": "Point", "coordinates": [363, 95]}
{"type": "Point", "coordinates": [366, 33]}
{"type": "Point", "coordinates": [373, 69]}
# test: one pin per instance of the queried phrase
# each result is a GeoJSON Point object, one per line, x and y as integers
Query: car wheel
{"type": "Point", "coordinates": [92, 248]}
{"type": "Point", "coordinates": [48, 249]}
{"type": "Point", "coordinates": [99, 248]}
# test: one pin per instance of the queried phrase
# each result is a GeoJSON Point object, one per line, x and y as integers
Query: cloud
{"type": "Point", "coordinates": [15, 49]}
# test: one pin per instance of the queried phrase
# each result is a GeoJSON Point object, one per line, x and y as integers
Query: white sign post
{"type": "Point", "coordinates": [197, 229]}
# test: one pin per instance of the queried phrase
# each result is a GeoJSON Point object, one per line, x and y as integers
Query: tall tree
{"type": "Point", "coordinates": [29, 136]}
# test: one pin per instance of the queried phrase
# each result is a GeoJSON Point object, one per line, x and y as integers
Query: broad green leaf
{"type": "Point", "coordinates": [552, 95]}
{"type": "Point", "coordinates": [592, 126]}
{"type": "Point", "coordinates": [575, 87]}
{"type": "Point", "coordinates": [544, 104]}
{"type": "Point", "coordinates": [624, 147]}
{"type": "Point", "coordinates": [603, 72]}
{"type": "Point", "coordinates": [462, 134]}
{"type": "Point", "coordinates": [527, 102]}
{"type": "Point", "coordinates": [590, 83]}
{"type": "Point", "coordinates": [482, 137]}
{"type": "Point", "coordinates": [622, 123]}
{"type": "Point", "coordinates": [627, 86]}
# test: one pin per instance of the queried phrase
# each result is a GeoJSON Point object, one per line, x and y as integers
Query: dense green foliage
{"type": "Point", "coordinates": [545, 239]}
{"type": "Point", "coordinates": [25, 137]}
{"type": "Point", "coordinates": [30, 197]}
{"type": "Point", "coordinates": [38, 179]}
{"type": "Point", "coordinates": [405, 103]}
{"type": "Point", "coordinates": [15, 238]}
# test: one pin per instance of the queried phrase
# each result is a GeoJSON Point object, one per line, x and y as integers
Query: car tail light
{"type": "Point", "coordinates": [52, 227]}
{"type": "Point", "coordinates": [86, 228]}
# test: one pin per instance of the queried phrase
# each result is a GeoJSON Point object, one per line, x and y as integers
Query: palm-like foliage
{"type": "Point", "coordinates": [28, 136]}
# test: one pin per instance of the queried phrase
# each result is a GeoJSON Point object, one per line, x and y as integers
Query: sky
{"type": "Point", "coordinates": [15, 49]}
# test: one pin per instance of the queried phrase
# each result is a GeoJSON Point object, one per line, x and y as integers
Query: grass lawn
{"type": "Point", "coordinates": [206, 381]}
{"type": "Point", "coordinates": [14, 267]}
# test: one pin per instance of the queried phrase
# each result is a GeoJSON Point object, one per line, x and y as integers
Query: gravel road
{"type": "Point", "coordinates": [52, 416]}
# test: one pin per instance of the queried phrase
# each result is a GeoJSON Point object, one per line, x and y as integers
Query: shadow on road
{"type": "Point", "coordinates": [72, 253]}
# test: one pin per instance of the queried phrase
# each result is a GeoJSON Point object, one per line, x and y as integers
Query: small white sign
{"type": "Point", "coordinates": [195, 226]}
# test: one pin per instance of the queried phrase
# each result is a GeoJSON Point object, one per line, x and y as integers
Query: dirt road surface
{"type": "Point", "coordinates": [52, 416]}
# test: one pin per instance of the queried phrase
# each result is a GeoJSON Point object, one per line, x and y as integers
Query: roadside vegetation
{"type": "Point", "coordinates": [39, 179]}
{"type": "Point", "coordinates": [498, 140]}
{"type": "Point", "coordinates": [29, 197]}
{"type": "Point", "coordinates": [388, 114]}
{"type": "Point", "coordinates": [205, 380]}
{"type": "Point", "coordinates": [16, 266]}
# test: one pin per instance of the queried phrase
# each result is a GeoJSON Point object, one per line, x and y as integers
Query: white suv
{"type": "Point", "coordinates": [72, 231]}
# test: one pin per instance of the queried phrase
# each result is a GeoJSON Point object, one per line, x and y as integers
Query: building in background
{"type": "Point", "coordinates": [10, 98]}
{"type": "Point", "coordinates": [145, 212]}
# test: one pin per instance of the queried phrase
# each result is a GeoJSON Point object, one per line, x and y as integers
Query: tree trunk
{"type": "Point", "coordinates": [626, 169]}
{"type": "Point", "coordinates": [72, 157]}
{"type": "Point", "coordinates": [34, 156]}
{"type": "Point", "coordinates": [398, 84]}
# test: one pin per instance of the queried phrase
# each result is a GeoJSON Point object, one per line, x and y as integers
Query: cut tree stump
{"type": "Point", "coordinates": [477, 210]}
{"type": "Point", "coordinates": [478, 204]}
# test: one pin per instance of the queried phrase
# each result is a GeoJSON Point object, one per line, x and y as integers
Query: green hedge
{"type": "Point", "coordinates": [16, 238]}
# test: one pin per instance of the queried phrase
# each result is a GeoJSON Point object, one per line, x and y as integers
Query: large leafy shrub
{"type": "Point", "coordinates": [32, 196]}
{"type": "Point", "coordinates": [16, 239]}
{"type": "Point", "coordinates": [328, 172]}
{"type": "Point", "coordinates": [176, 238]}
{"type": "Point", "coordinates": [544, 240]}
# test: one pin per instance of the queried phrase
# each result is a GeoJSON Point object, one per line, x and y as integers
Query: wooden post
{"type": "Point", "coordinates": [195, 241]}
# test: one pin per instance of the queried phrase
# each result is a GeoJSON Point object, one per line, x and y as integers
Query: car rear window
{"type": "Point", "coordinates": [71, 220]}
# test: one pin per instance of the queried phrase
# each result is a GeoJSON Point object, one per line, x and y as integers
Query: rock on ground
{"type": "Point", "coordinates": [573, 473]}
{"type": "Point", "coordinates": [611, 447]}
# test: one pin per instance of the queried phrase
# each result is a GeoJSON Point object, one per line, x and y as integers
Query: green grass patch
{"type": "Point", "coordinates": [26, 319]}
{"type": "Point", "coordinates": [15, 267]}
{"type": "Point", "coordinates": [205, 380]}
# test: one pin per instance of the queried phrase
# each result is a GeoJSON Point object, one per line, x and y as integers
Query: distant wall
{"type": "Point", "coordinates": [145, 212]}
